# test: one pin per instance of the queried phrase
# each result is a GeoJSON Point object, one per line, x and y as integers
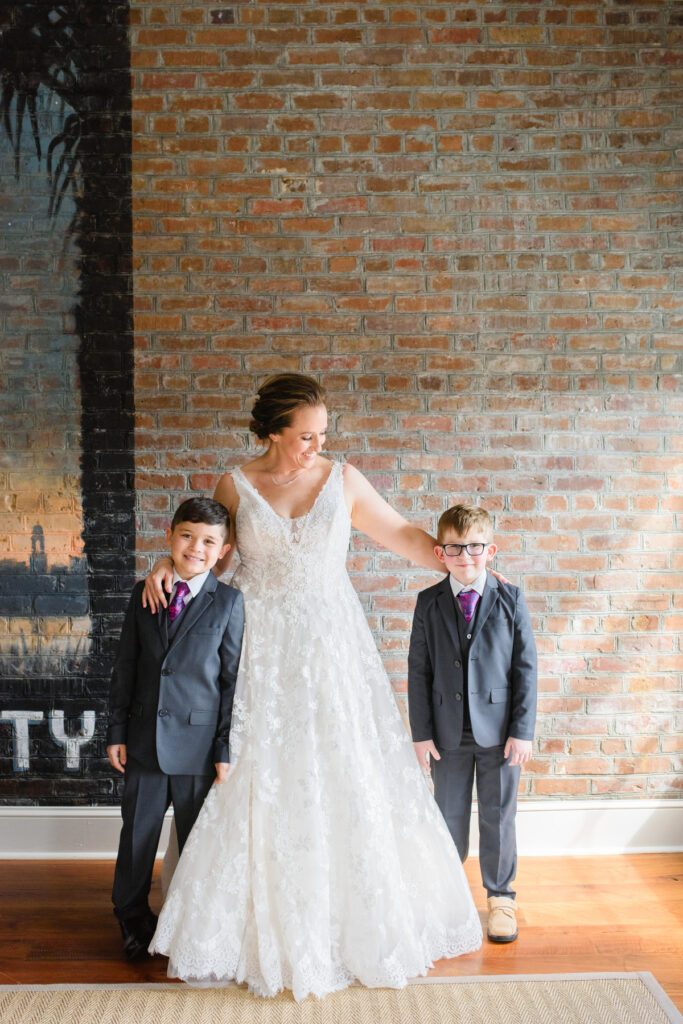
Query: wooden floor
{"type": "Point", "coordinates": [577, 914]}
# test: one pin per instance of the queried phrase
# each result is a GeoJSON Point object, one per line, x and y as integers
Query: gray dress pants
{"type": "Point", "coordinates": [497, 784]}
{"type": "Point", "coordinates": [146, 798]}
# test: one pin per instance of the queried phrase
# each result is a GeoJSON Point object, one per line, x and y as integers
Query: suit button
{"type": "Point", "coordinates": [458, 696]}
{"type": "Point", "coordinates": [469, 636]}
{"type": "Point", "coordinates": [457, 664]}
{"type": "Point", "coordinates": [165, 671]}
{"type": "Point", "coordinates": [163, 713]}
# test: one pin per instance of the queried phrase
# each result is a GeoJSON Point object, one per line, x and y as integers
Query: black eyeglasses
{"type": "Point", "coordinates": [457, 549]}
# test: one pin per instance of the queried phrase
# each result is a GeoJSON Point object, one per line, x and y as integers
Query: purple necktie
{"type": "Point", "coordinates": [468, 602]}
{"type": "Point", "coordinates": [178, 603]}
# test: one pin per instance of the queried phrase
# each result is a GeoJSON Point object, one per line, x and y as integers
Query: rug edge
{"type": "Point", "coordinates": [664, 1001]}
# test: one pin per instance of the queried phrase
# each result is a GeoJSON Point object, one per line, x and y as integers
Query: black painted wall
{"type": "Point", "coordinates": [66, 457]}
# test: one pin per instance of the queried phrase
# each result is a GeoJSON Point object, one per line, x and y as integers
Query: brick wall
{"type": "Point", "coordinates": [464, 218]}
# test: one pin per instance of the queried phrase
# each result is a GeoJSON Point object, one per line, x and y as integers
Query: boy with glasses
{"type": "Point", "coordinates": [472, 696]}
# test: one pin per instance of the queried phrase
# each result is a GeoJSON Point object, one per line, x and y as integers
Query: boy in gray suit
{"type": "Point", "coordinates": [170, 706]}
{"type": "Point", "coordinates": [472, 695]}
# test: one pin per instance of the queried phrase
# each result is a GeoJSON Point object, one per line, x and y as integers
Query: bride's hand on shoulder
{"type": "Point", "coordinates": [499, 576]}
{"type": "Point", "coordinates": [158, 584]}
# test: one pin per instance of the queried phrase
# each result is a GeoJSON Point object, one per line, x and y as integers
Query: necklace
{"type": "Point", "coordinates": [286, 483]}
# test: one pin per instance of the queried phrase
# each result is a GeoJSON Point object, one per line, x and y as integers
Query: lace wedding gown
{"type": "Point", "coordinates": [323, 857]}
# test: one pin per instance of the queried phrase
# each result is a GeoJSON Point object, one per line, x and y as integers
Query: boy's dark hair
{"type": "Point", "coordinates": [461, 518]}
{"type": "Point", "coordinates": [202, 510]}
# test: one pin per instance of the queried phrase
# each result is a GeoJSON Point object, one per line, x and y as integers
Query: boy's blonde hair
{"type": "Point", "coordinates": [461, 518]}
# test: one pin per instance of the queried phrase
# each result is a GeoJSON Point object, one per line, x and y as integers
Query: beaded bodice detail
{"type": "Point", "coordinates": [292, 558]}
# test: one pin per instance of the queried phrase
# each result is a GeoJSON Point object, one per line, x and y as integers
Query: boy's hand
{"type": "Point", "coordinates": [117, 756]}
{"type": "Point", "coordinates": [158, 584]}
{"type": "Point", "coordinates": [222, 770]}
{"type": "Point", "coordinates": [422, 751]}
{"type": "Point", "coordinates": [519, 749]}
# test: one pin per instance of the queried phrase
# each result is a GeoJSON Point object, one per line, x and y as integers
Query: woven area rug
{"type": "Point", "coordinates": [537, 999]}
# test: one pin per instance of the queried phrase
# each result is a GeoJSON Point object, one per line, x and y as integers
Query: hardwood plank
{"type": "Point", "coordinates": [579, 914]}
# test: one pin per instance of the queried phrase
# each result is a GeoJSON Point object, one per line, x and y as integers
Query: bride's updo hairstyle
{"type": "Point", "coordinates": [278, 399]}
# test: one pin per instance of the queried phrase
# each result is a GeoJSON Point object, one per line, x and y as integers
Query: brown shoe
{"type": "Point", "coordinates": [502, 925]}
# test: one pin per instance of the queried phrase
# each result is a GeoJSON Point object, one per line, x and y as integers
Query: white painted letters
{"type": "Point", "coordinates": [73, 744]}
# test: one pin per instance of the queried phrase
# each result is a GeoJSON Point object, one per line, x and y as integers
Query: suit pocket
{"type": "Point", "coordinates": [499, 696]}
{"type": "Point", "coordinates": [203, 718]}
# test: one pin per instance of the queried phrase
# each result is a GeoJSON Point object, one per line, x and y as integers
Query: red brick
{"type": "Point", "coordinates": [161, 37]}
{"type": "Point", "coordinates": [315, 225]}
{"type": "Point", "coordinates": [280, 36]}
{"type": "Point", "coordinates": [380, 56]}
{"type": "Point", "coordinates": [493, 58]}
{"type": "Point", "coordinates": [501, 100]}
{"type": "Point", "coordinates": [189, 102]}
{"type": "Point", "coordinates": [225, 36]}
{"type": "Point", "coordinates": [258, 101]}
{"type": "Point", "coordinates": [275, 206]}
{"type": "Point", "coordinates": [190, 58]}
{"type": "Point", "coordinates": [340, 35]}
{"type": "Point", "coordinates": [643, 765]}
{"type": "Point", "coordinates": [513, 36]}
{"type": "Point", "coordinates": [559, 787]}
{"type": "Point", "coordinates": [382, 101]}
{"type": "Point", "coordinates": [577, 36]}
{"type": "Point", "coordinates": [454, 35]}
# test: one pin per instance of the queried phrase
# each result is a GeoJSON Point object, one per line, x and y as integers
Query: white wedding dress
{"type": "Point", "coordinates": [323, 858]}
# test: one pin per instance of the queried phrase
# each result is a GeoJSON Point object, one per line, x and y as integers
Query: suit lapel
{"type": "Point", "coordinates": [196, 607]}
{"type": "Point", "coordinates": [444, 602]}
{"type": "Point", "coordinates": [487, 603]}
{"type": "Point", "coordinates": [162, 623]}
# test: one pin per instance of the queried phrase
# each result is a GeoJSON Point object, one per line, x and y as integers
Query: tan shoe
{"type": "Point", "coordinates": [502, 925]}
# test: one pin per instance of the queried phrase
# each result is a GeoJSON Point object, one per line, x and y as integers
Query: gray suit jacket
{"type": "Point", "coordinates": [171, 703]}
{"type": "Point", "coordinates": [500, 668]}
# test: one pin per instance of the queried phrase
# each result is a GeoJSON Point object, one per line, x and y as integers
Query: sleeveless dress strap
{"type": "Point", "coordinates": [240, 481]}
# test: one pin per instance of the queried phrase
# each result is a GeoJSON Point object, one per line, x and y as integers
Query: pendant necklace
{"type": "Point", "coordinates": [286, 483]}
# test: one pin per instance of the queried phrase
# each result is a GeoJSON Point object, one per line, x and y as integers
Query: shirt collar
{"type": "Point", "coordinates": [478, 584]}
{"type": "Point", "coordinates": [195, 584]}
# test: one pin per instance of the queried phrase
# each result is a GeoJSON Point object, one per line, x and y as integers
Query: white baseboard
{"type": "Point", "coordinates": [64, 833]}
{"type": "Point", "coordinates": [545, 828]}
{"type": "Point", "coordinates": [550, 828]}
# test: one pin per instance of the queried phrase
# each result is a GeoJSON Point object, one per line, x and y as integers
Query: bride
{"type": "Point", "coordinates": [322, 858]}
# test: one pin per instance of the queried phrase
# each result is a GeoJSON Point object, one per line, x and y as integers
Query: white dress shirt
{"type": "Point", "coordinates": [478, 585]}
{"type": "Point", "coordinates": [195, 585]}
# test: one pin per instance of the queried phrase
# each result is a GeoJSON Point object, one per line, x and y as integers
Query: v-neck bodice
{"type": "Point", "coordinates": [299, 555]}
{"type": "Point", "coordinates": [245, 478]}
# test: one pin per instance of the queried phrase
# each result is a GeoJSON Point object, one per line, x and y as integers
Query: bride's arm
{"type": "Point", "coordinates": [372, 515]}
{"type": "Point", "coordinates": [159, 583]}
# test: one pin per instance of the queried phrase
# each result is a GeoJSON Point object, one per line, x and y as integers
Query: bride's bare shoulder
{"type": "Point", "coordinates": [226, 492]}
{"type": "Point", "coordinates": [353, 478]}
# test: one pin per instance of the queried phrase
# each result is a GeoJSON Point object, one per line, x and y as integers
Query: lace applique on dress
{"type": "Point", "coordinates": [323, 858]}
